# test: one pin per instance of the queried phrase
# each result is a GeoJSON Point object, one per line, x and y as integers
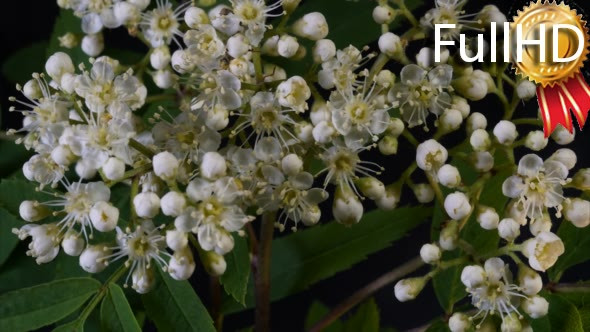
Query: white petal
{"type": "Point", "coordinates": [530, 165]}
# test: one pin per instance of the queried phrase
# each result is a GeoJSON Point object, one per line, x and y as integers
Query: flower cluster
{"type": "Point", "coordinates": [244, 139]}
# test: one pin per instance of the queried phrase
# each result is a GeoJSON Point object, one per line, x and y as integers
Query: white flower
{"type": "Point", "coordinates": [32, 211]}
{"type": "Point", "coordinates": [448, 12]}
{"type": "Point", "coordinates": [140, 247]}
{"type": "Point", "coordinates": [538, 185]}
{"type": "Point", "coordinates": [195, 16]}
{"type": "Point", "coordinates": [72, 243]}
{"type": "Point", "coordinates": [430, 155]}
{"type": "Point", "coordinates": [476, 121]}
{"type": "Point", "coordinates": [214, 263]}
{"type": "Point", "coordinates": [161, 25]}
{"type": "Point", "coordinates": [213, 166]}
{"type": "Point", "coordinates": [165, 165]}
{"type": "Point", "coordinates": [146, 204]}
{"type": "Point", "coordinates": [430, 253]}
{"type": "Point", "coordinates": [311, 26]}
{"type": "Point", "coordinates": [420, 91]}
{"type": "Point", "coordinates": [457, 205]}
{"type": "Point", "coordinates": [408, 289]}
{"type": "Point", "coordinates": [218, 89]}
{"type": "Point", "coordinates": [237, 45]}
{"type": "Point", "coordinates": [160, 57]}
{"type": "Point", "coordinates": [389, 44]}
{"type": "Point", "coordinates": [223, 19]}
{"type": "Point", "coordinates": [181, 265]}
{"type": "Point", "coordinates": [450, 120]}
{"type": "Point", "coordinates": [449, 176]}
{"type": "Point", "coordinates": [383, 14]}
{"type": "Point", "coordinates": [480, 140]}
{"type": "Point", "coordinates": [371, 187]}
{"type": "Point", "coordinates": [93, 44]}
{"type": "Point", "coordinates": [424, 193]}
{"type": "Point", "coordinates": [203, 46]}
{"type": "Point", "coordinates": [566, 157]}
{"type": "Point", "coordinates": [44, 245]}
{"type": "Point", "coordinates": [577, 211]}
{"type": "Point", "coordinates": [543, 250]}
{"type": "Point", "coordinates": [483, 161]}
{"type": "Point", "coordinates": [459, 322]}
{"type": "Point", "coordinates": [253, 15]}
{"type": "Point", "coordinates": [530, 281]}
{"type": "Point", "coordinates": [113, 168]}
{"type": "Point", "coordinates": [343, 163]}
{"type": "Point", "coordinates": [43, 170]}
{"type": "Point", "coordinates": [104, 216]}
{"type": "Point", "coordinates": [287, 46]}
{"type": "Point", "coordinates": [449, 236]}
{"type": "Point", "coordinates": [562, 136]}
{"type": "Point", "coordinates": [294, 93]}
{"type": "Point", "coordinates": [291, 164]}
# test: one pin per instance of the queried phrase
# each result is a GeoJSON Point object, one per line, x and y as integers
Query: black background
{"type": "Point", "coordinates": [25, 22]}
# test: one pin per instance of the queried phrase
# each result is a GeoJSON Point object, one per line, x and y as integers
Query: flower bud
{"type": "Point", "coordinates": [535, 306]}
{"type": "Point", "coordinates": [577, 211]}
{"type": "Point", "coordinates": [423, 192]}
{"type": "Point", "coordinates": [430, 253]}
{"type": "Point", "coordinates": [146, 204]}
{"type": "Point", "coordinates": [176, 240]}
{"type": "Point", "coordinates": [165, 165]}
{"type": "Point", "coordinates": [536, 141]}
{"type": "Point", "coordinates": [311, 26]}
{"type": "Point", "coordinates": [391, 198]}
{"type": "Point", "coordinates": [311, 215]}
{"type": "Point", "coordinates": [390, 44]}
{"type": "Point", "coordinates": [396, 127]}
{"type": "Point", "coordinates": [347, 208]}
{"type": "Point", "coordinates": [160, 57]}
{"type": "Point", "coordinates": [457, 205]}
{"type": "Point", "coordinates": [526, 90]}
{"type": "Point", "coordinates": [323, 132]}
{"type": "Point", "coordinates": [539, 225]}
{"type": "Point", "coordinates": [450, 120]}
{"type": "Point", "coordinates": [323, 50]}
{"type": "Point", "coordinates": [180, 62]}
{"type": "Point", "coordinates": [582, 179]}
{"type": "Point", "coordinates": [164, 79]}
{"type": "Point", "coordinates": [104, 216]}
{"type": "Point", "coordinates": [388, 145]}
{"type": "Point", "coordinates": [487, 218]}
{"type": "Point", "coordinates": [68, 40]}
{"type": "Point", "coordinates": [195, 16]}
{"type": "Point", "coordinates": [476, 121]}
{"type": "Point", "coordinates": [32, 211]}
{"type": "Point", "coordinates": [408, 289]}
{"type": "Point", "coordinates": [93, 45]}
{"type": "Point", "coordinates": [213, 263]}
{"type": "Point", "coordinates": [449, 236]}
{"type": "Point", "coordinates": [461, 105]}
{"type": "Point", "coordinates": [511, 323]}
{"type": "Point", "coordinates": [182, 264]}
{"type": "Point", "coordinates": [292, 164]}
{"type": "Point", "coordinates": [85, 169]}
{"type": "Point", "coordinates": [114, 168]}
{"type": "Point", "coordinates": [471, 88]}
{"type": "Point", "coordinates": [287, 46]}
{"type": "Point", "coordinates": [213, 165]}
{"type": "Point", "coordinates": [562, 136]}
{"type": "Point", "coordinates": [505, 132]}
{"type": "Point", "coordinates": [529, 281]}
{"type": "Point", "coordinates": [58, 64]}
{"type": "Point", "coordinates": [508, 229]}
{"type": "Point", "coordinates": [173, 204]}
{"type": "Point", "coordinates": [142, 281]}
{"type": "Point", "coordinates": [483, 161]}
{"type": "Point", "coordinates": [93, 258]}
{"type": "Point", "coordinates": [383, 14]}
{"type": "Point", "coordinates": [566, 157]}
{"type": "Point", "coordinates": [126, 13]}
{"type": "Point", "coordinates": [371, 187]}
{"type": "Point", "coordinates": [459, 322]}
{"type": "Point", "coordinates": [72, 243]}
{"type": "Point", "coordinates": [480, 140]}
{"type": "Point", "coordinates": [294, 93]}
{"type": "Point", "coordinates": [449, 176]}
{"type": "Point", "coordinates": [32, 90]}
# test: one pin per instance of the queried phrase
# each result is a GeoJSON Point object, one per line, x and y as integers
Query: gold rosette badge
{"type": "Point", "coordinates": [555, 63]}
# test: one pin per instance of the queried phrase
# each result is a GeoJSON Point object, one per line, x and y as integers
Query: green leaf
{"type": "Point", "coordinates": [174, 306]}
{"type": "Point", "coordinates": [13, 157]}
{"type": "Point", "coordinates": [308, 256]}
{"type": "Point", "coordinates": [447, 284]}
{"type": "Point", "coordinates": [24, 62]}
{"type": "Point", "coordinates": [577, 248]}
{"type": "Point", "coordinates": [365, 319]}
{"type": "Point", "coordinates": [438, 326]}
{"type": "Point", "coordinates": [66, 22]}
{"type": "Point", "coordinates": [21, 271]}
{"type": "Point", "coordinates": [14, 191]}
{"type": "Point", "coordinates": [563, 316]}
{"type": "Point", "coordinates": [235, 278]}
{"type": "Point", "coordinates": [31, 308]}
{"type": "Point", "coordinates": [115, 312]}
{"type": "Point", "coordinates": [316, 312]}
{"type": "Point", "coordinates": [8, 241]}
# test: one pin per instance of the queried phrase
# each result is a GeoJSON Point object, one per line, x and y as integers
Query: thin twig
{"type": "Point", "coordinates": [262, 282]}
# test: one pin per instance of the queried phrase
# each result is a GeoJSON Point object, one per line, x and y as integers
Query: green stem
{"type": "Point", "coordinates": [257, 65]}
{"type": "Point", "coordinates": [131, 173]}
{"type": "Point", "coordinates": [407, 135]}
{"type": "Point", "coordinates": [381, 61]}
{"type": "Point", "coordinates": [141, 148]}
{"type": "Point", "coordinates": [160, 97]}
{"type": "Point", "coordinates": [365, 292]}
{"type": "Point", "coordinates": [134, 192]}
{"type": "Point", "coordinates": [434, 184]}
{"type": "Point", "coordinates": [262, 273]}
{"type": "Point", "coordinates": [528, 121]}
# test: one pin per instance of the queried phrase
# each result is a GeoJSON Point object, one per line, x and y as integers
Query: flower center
{"type": "Point", "coordinates": [359, 112]}
{"type": "Point", "coordinates": [248, 12]}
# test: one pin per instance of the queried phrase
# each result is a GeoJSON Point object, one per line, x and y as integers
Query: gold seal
{"type": "Point", "coordinates": [549, 73]}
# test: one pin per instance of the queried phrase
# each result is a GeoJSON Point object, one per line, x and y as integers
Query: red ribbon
{"type": "Point", "coordinates": [557, 101]}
